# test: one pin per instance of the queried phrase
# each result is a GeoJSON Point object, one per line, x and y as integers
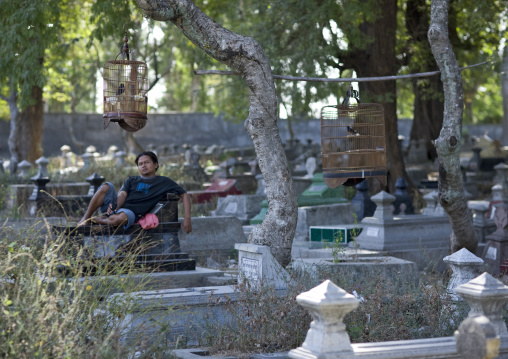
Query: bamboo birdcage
{"type": "Point", "coordinates": [353, 145]}
{"type": "Point", "coordinates": [124, 90]}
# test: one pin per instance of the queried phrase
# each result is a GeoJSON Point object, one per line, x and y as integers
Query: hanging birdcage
{"type": "Point", "coordinates": [125, 88]}
{"type": "Point", "coordinates": [353, 142]}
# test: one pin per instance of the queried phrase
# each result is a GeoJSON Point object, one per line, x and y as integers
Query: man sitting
{"type": "Point", "coordinates": [138, 195]}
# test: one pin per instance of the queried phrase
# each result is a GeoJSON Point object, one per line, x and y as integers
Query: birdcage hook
{"type": "Point", "coordinates": [351, 93]}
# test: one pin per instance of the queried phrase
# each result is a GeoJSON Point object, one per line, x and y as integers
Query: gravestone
{"type": "Point", "coordinates": [318, 193]}
{"type": "Point", "coordinates": [66, 161]}
{"type": "Point", "coordinates": [213, 237]}
{"type": "Point", "coordinates": [243, 206]}
{"type": "Point", "coordinates": [261, 185]}
{"type": "Point", "coordinates": [496, 249]}
{"type": "Point", "coordinates": [419, 238]}
{"type": "Point", "coordinates": [160, 246]}
{"type": "Point", "coordinates": [95, 181]}
{"type": "Point", "coordinates": [24, 168]}
{"type": "Point", "coordinates": [257, 266]}
{"type": "Point", "coordinates": [362, 204]}
{"type": "Point", "coordinates": [465, 267]}
{"type": "Point", "coordinates": [403, 203]}
{"type": "Point", "coordinates": [431, 200]}
{"type": "Point", "coordinates": [39, 197]}
{"type": "Point", "coordinates": [42, 163]}
{"type": "Point", "coordinates": [483, 225]}
{"type": "Point", "coordinates": [486, 296]}
{"type": "Point", "coordinates": [87, 160]}
{"type": "Point", "coordinates": [193, 169]}
{"type": "Point", "coordinates": [219, 188]}
{"type": "Point", "coordinates": [327, 337]}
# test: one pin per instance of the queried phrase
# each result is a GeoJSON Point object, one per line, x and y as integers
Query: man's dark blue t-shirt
{"type": "Point", "coordinates": [143, 193]}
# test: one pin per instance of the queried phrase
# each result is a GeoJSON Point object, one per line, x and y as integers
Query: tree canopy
{"type": "Point", "coordinates": [301, 38]}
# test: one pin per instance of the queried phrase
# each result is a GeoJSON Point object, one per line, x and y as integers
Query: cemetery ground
{"type": "Point", "coordinates": [50, 307]}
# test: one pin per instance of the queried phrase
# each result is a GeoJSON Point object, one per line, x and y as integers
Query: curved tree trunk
{"type": "Point", "coordinates": [246, 56]}
{"type": "Point", "coordinates": [451, 191]}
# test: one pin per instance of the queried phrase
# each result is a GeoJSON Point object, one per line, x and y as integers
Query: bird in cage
{"type": "Point", "coordinates": [352, 132]}
{"type": "Point", "coordinates": [121, 89]}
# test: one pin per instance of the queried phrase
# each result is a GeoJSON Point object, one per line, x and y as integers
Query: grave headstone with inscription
{"type": "Point", "coordinates": [496, 249]}
{"type": "Point", "coordinates": [257, 265]}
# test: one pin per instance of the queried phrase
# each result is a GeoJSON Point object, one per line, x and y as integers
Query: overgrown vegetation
{"type": "Point", "coordinates": [269, 321]}
{"type": "Point", "coordinates": [47, 312]}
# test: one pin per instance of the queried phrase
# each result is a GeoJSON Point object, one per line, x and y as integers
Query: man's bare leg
{"type": "Point", "coordinates": [96, 201]}
{"type": "Point", "coordinates": [114, 220]}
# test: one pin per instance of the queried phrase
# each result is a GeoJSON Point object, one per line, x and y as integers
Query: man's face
{"type": "Point", "coordinates": [146, 167]}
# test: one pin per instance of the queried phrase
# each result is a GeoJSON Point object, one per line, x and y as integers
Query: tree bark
{"type": "Point", "coordinates": [29, 135]}
{"type": "Point", "coordinates": [428, 102]}
{"type": "Point", "coordinates": [451, 191]}
{"type": "Point", "coordinates": [504, 93]}
{"type": "Point", "coordinates": [246, 56]}
{"type": "Point", "coordinates": [12, 101]}
{"type": "Point", "coordinates": [378, 59]}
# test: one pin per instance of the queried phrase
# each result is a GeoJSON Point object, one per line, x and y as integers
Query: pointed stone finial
{"type": "Point", "coordinates": [43, 162]}
{"type": "Point", "coordinates": [486, 296]}
{"type": "Point", "coordinates": [383, 200]}
{"type": "Point", "coordinates": [328, 304]}
{"type": "Point", "coordinates": [464, 265]}
{"type": "Point", "coordinates": [24, 168]}
{"type": "Point", "coordinates": [431, 199]}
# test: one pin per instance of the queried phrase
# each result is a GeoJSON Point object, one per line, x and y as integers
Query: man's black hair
{"type": "Point", "coordinates": [150, 154]}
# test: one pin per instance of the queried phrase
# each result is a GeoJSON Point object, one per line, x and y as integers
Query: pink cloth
{"type": "Point", "coordinates": [148, 221]}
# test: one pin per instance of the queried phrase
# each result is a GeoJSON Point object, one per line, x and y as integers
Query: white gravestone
{"type": "Point", "coordinates": [257, 265]}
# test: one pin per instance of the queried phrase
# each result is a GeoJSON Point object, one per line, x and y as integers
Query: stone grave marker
{"type": "Point", "coordinates": [242, 206]}
{"type": "Point", "coordinates": [220, 188]}
{"type": "Point", "coordinates": [405, 237]}
{"type": "Point", "coordinates": [318, 193]}
{"type": "Point", "coordinates": [496, 249]}
{"type": "Point", "coordinates": [465, 266]}
{"type": "Point", "coordinates": [257, 265]}
{"type": "Point", "coordinates": [24, 168]}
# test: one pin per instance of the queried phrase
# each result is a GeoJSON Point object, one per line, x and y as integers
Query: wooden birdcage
{"type": "Point", "coordinates": [353, 142]}
{"type": "Point", "coordinates": [125, 88]}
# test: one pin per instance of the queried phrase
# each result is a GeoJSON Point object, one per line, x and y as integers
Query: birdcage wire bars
{"type": "Point", "coordinates": [353, 143]}
{"type": "Point", "coordinates": [125, 87]}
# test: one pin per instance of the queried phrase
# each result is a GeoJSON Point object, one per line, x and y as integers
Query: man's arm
{"type": "Point", "coordinates": [120, 200]}
{"type": "Point", "coordinates": [187, 225]}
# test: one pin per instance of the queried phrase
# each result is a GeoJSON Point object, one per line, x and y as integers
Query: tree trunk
{"type": "Point", "coordinates": [428, 113]}
{"type": "Point", "coordinates": [12, 101]}
{"type": "Point", "coordinates": [451, 191]}
{"type": "Point", "coordinates": [28, 138]}
{"type": "Point", "coordinates": [246, 56]}
{"type": "Point", "coordinates": [504, 93]}
{"type": "Point", "coordinates": [428, 102]}
{"type": "Point", "coordinates": [378, 59]}
{"type": "Point", "coordinates": [130, 143]}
